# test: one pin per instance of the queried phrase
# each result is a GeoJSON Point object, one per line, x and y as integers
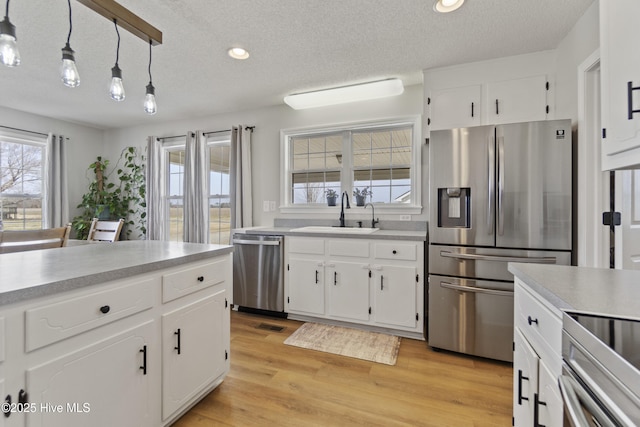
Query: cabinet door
{"type": "Point", "coordinates": [395, 295]}
{"type": "Point", "coordinates": [620, 66]}
{"type": "Point", "coordinates": [306, 286]}
{"type": "Point", "coordinates": [348, 284]}
{"type": "Point", "coordinates": [193, 349]}
{"type": "Point", "coordinates": [550, 406]}
{"type": "Point", "coordinates": [525, 381]}
{"type": "Point", "coordinates": [455, 107]}
{"type": "Point", "coordinates": [519, 100]}
{"type": "Point", "coordinates": [110, 383]}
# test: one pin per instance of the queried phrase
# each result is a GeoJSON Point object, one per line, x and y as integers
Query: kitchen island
{"type": "Point", "coordinates": [131, 333]}
{"type": "Point", "coordinates": [543, 293]}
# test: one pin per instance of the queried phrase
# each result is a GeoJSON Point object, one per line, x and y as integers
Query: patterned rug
{"type": "Point", "coordinates": [372, 346]}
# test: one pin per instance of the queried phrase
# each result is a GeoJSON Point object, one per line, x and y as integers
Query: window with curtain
{"type": "Point", "coordinates": [174, 202]}
{"type": "Point", "coordinates": [381, 157]}
{"type": "Point", "coordinates": [219, 192]}
{"type": "Point", "coordinates": [21, 182]}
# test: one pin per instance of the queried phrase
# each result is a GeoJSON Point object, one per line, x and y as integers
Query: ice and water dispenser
{"type": "Point", "coordinates": [454, 207]}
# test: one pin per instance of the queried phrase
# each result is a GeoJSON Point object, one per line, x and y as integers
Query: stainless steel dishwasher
{"type": "Point", "coordinates": [258, 272]}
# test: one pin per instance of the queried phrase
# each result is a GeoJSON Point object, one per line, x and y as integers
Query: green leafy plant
{"type": "Point", "coordinates": [125, 197]}
{"type": "Point", "coordinates": [331, 193]}
{"type": "Point", "coordinates": [362, 193]}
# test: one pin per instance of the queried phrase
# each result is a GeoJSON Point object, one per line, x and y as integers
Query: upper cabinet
{"type": "Point", "coordinates": [505, 90]}
{"type": "Point", "coordinates": [620, 83]}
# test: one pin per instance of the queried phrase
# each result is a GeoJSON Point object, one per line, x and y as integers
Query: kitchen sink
{"type": "Point", "coordinates": [340, 230]}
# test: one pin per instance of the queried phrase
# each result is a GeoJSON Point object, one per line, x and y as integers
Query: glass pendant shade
{"type": "Point", "coordinates": [9, 54]}
{"type": "Point", "coordinates": [68, 70]}
{"type": "Point", "coordinates": [117, 89]}
{"type": "Point", "coordinates": [150, 106]}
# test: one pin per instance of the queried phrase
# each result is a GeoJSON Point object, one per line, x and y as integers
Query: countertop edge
{"type": "Point", "coordinates": [419, 236]}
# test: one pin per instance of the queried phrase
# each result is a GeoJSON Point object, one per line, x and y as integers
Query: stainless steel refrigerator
{"type": "Point", "coordinates": [498, 194]}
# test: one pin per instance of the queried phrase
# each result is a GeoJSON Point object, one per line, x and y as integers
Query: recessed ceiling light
{"type": "Point", "coordinates": [444, 6]}
{"type": "Point", "coordinates": [238, 53]}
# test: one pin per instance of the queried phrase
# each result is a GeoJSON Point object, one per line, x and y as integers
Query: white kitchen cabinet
{"type": "Point", "coordinates": [348, 285]}
{"type": "Point", "coordinates": [620, 75]}
{"type": "Point", "coordinates": [455, 107]}
{"type": "Point", "coordinates": [306, 285]}
{"type": "Point", "coordinates": [194, 349]}
{"type": "Point", "coordinates": [537, 360]}
{"type": "Point", "coordinates": [395, 295]}
{"type": "Point", "coordinates": [378, 283]}
{"type": "Point", "coordinates": [517, 100]}
{"type": "Point", "coordinates": [111, 381]}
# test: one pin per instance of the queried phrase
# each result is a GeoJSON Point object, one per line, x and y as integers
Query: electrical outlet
{"type": "Point", "coordinates": [272, 205]}
{"type": "Point", "coordinates": [265, 206]}
{"type": "Point", "coordinates": [405, 217]}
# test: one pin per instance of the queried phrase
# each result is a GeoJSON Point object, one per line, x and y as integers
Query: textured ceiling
{"type": "Point", "coordinates": [295, 46]}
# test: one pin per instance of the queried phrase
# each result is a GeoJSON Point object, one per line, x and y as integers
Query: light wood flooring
{"type": "Point", "coordinates": [273, 384]}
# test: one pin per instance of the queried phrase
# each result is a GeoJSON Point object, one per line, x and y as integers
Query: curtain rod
{"type": "Point", "coordinates": [24, 130]}
{"type": "Point", "coordinates": [251, 128]}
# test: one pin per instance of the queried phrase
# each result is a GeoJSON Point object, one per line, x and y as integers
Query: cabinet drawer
{"type": "Point", "coordinates": [301, 245]}
{"type": "Point", "coordinates": [348, 248]}
{"type": "Point", "coordinates": [398, 251]}
{"type": "Point", "coordinates": [194, 278]}
{"type": "Point", "coordinates": [54, 322]}
{"type": "Point", "coordinates": [541, 326]}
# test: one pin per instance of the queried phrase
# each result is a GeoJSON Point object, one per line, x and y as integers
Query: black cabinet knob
{"type": "Point", "coordinates": [200, 278]}
{"type": "Point", "coordinates": [531, 321]}
{"type": "Point", "coordinates": [394, 252]}
{"type": "Point", "coordinates": [105, 309]}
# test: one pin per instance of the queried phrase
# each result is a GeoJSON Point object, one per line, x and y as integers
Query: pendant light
{"type": "Point", "coordinates": [9, 54]}
{"type": "Point", "coordinates": [68, 70]}
{"type": "Point", "coordinates": [150, 106]}
{"type": "Point", "coordinates": [116, 90]}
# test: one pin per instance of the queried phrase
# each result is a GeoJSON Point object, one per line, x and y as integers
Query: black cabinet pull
{"type": "Point", "coordinates": [394, 252]}
{"type": "Point", "coordinates": [316, 276]}
{"type": "Point", "coordinates": [381, 282]}
{"type": "Point", "coordinates": [497, 109]}
{"type": "Point", "coordinates": [23, 397]}
{"type": "Point", "coordinates": [200, 278]}
{"type": "Point", "coordinates": [530, 320]}
{"type": "Point", "coordinates": [335, 278]}
{"type": "Point", "coordinates": [520, 378]}
{"type": "Point", "coordinates": [105, 309]}
{"type": "Point", "coordinates": [177, 334]}
{"type": "Point", "coordinates": [536, 410]}
{"type": "Point", "coordinates": [472, 109]}
{"type": "Point", "coordinates": [630, 110]}
{"type": "Point", "coordinates": [144, 360]}
{"type": "Point", "coordinates": [6, 408]}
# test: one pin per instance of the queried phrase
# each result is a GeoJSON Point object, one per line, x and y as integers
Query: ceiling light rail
{"type": "Point", "coordinates": [251, 128]}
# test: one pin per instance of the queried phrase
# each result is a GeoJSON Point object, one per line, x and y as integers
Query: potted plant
{"type": "Point", "coordinates": [361, 195]}
{"type": "Point", "coordinates": [332, 196]}
{"type": "Point", "coordinates": [114, 200]}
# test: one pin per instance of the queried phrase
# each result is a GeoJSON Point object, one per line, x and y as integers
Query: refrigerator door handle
{"type": "Point", "coordinates": [491, 159]}
{"type": "Point", "coordinates": [500, 185]}
{"type": "Point", "coordinates": [475, 289]}
{"type": "Point", "coordinates": [535, 260]}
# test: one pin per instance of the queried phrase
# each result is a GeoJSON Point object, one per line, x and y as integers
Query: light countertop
{"type": "Point", "coordinates": [380, 234]}
{"type": "Point", "coordinates": [588, 290]}
{"type": "Point", "coordinates": [32, 274]}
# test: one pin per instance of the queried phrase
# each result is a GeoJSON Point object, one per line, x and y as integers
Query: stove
{"type": "Point", "coordinates": [601, 374]}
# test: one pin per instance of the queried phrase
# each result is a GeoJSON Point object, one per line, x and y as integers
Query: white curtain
{"type": "Point", "coordinates": [56, 203]}
{"type": "Point", "coordinates": [155, 190]}
{"type": "Point", "coordinates": [196, 204]}
{"type": "Point", "coordinates": [240, 179]}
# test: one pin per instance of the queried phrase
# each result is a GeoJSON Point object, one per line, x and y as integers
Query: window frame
{"type": "Point", "coordinates": [415, 207]}
{"type": "Point", "coordinates": [179, 144]}
{"type": "Point", "coordinates": [40, 142]}
{"type": "Point", "coordinates": [223, 139]}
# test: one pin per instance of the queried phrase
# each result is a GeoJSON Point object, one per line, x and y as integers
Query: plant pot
{"type": "Point", "coordinates": [359, 200]}
{"type": "Point", "coordinates": [331, 200]}
{"type": "Point", "coordinates": [104, 214]}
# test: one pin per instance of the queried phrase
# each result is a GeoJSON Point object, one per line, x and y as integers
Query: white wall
{"type": "Point", "coordinates": [266, 137]}
{"type": "Point", "coordinates": [85, 144]}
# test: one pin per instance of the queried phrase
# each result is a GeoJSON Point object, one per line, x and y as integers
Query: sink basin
{"type": "Point", "coordinates": [340, 230]}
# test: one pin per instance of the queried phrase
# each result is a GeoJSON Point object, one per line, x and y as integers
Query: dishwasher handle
{"type": "Point", "coordinates": [256, 242]}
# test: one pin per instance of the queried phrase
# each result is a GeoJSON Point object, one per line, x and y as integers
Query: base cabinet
{"type": "Point", "coordinates": [194, 351]}
{"type": "Point", "coordinates": [106, 384]}
{"type": "Point", "coordinates": [365, 281]}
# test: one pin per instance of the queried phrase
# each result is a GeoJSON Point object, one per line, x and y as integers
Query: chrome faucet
{"type": "Point", "coordinates": [344, 193]}
{"type": "Point", "coordinates": [374, 221]}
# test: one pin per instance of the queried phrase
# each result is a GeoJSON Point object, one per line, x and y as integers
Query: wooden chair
{"type": "Point", "coordinates": [29, 240]}
{"type": "Point", "coordinates": [105, 231]}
